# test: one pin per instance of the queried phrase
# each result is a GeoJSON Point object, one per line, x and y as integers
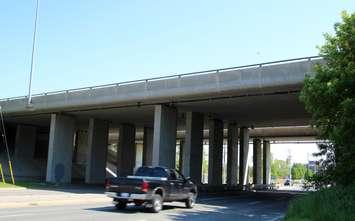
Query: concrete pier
{"type": "Point", "coordinates": [164, 139]}
{"type": "Point", "coordinates": [257, 162]}
{"type": "Point", "coordinates": [95, 172]}
{"type": "Point", "coordinates": [126, 152]}
{"type": "Point", "coordinates": [60, 149]}
{"type": "Point", "coordinates": [232, 157]}
{"type": "Point", "coordinates": [25, 142]}
{"type": "Point", "coordinates": [266, 162]}
{"type": "Point", "coordinates": [148, 146]}
{"type": "Point", "coordinates": [215, 152]}
{"type": "Point", "coordinates": [243, 155]}
{"type": "Point", "coordinates": [193, 147]}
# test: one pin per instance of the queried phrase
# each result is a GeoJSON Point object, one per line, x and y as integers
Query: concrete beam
{"type": "Point", "coordinates": [126, 153]}
{"type": "Point", "coordinates": [25, 142]}
{"type": "Point", "coordinates": [95, 172]}
{"type": "Point", "coordinates": [257, 161]}
{"type": "Point", "coordinates": [266, 162]}
{"type": "Point", "coordinates": [60, 149]}
{"type": "Point", "coordinates": [193, 147]}
{"type": "Point", "coordinates": [164, 140]}
{"type": "Point", "coordinates": [148, 146]}
{"type": "Point", "coordinates": [243, 155]}
{"type": "Point", "coordinates": [215, 152]}
{"type": "Point", "coordinates": [232, 157]}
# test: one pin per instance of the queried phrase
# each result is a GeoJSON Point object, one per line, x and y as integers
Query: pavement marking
{"type": "Point", "coordinates": [215, 198]}
{"type": "Point", "coordinates": [276, 218]}
{"type": "Point", "coordinates": [54, 202]}
{"type": "Point", "coordinates": [17, 215]}
{"type": "Point", "coordinates": [255, 202]}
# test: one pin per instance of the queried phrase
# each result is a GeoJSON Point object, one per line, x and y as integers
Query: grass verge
{"type": "Point", "coordinates": [336, 203]}
{"type": "Point", "coordinates": [7, 185]}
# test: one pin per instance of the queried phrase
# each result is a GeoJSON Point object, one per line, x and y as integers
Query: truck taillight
{"type": "Point", "coordinates": [145, 186]}
{"type": "Point", "coordinates": [107, 183]}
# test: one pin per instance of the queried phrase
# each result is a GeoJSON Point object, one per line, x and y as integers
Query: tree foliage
{"type": "Point", "coordinates": [330, 97]}
{"type": "Point", "coordinates": [298, 171]}
{"type": "Point", "coordinates": [279, 169]}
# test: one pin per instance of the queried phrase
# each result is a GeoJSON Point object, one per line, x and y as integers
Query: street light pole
{"type": "Point", "coordinates": [32, 56]}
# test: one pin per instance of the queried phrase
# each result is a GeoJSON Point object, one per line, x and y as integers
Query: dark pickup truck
{"type": "Point", "coordinates": [151, 186]}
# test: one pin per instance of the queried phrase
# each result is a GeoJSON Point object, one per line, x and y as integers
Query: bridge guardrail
{"type": "Point", "coordinates": [147, 80]}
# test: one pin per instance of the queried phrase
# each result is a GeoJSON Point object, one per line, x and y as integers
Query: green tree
{"type": "Point", "coordinates": [279, 169]}
{"type": "Point", "coordinates": [330, 97]}
{"type": "Point", "coordinates": [298, 171]}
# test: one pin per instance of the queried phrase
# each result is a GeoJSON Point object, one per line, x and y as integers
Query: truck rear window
{"type": "Point", "coordinates": [151, 172]}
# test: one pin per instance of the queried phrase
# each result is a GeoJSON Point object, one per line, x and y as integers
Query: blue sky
{"type": "Point", "coordinates": [84, 43]}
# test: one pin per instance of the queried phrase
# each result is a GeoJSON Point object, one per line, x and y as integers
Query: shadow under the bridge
{"type": "Point", "coordinates": [242, 206]}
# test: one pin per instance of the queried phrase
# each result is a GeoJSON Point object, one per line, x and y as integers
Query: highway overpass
{"type": "Point", "coordinates": [252, 103]}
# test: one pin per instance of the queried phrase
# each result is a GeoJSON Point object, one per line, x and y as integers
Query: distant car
{"type": "Point", "coordinates": [287, 182]}
{"type": "Point", "coordinates": [151, 187]}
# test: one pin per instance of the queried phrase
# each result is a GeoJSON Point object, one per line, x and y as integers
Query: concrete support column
{"type": "Point", "coordinates": [257, 161]}
{"type": "Point", "coordinates": [148, 146]}
{"type": "Point", "coordinates": [243, 155]}
{"type": "Point", "coordinates": [266, 162]}
{"type": "Point", "coordinates": [60, 149]}
{"type": "Point", "coordinates": [215, 152]}
{"type": "Point", "coordinates": [25, 142]}
{"type": "Point", "coordinates": [232, 157]}
{"type": "Point", "coordinates": [95, 172]}
{"type": "Point", "coordinates": [193, 147]}
{"type": "Point", "coordinates": [164, 139]}
{"type": "Point", "coordinates": [81, 147]}
{"type": "Point", "coordinates": [126, 153]}
{"type": "Point", "coordinates": [181, 154]}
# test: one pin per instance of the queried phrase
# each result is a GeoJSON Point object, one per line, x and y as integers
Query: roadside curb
{"type": "Point", "coordinates": [12, 188]}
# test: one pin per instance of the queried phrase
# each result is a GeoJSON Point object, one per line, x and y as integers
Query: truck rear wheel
{"type": "Point", "coordinates": [121, 204]}
{"type": "Point", "coordinates": [191, 200]}
{"type": "Point", "coordinates": [157, 203]}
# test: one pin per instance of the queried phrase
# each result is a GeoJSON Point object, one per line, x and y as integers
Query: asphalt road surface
{"type": "Point", "coordinates": [226, 208]}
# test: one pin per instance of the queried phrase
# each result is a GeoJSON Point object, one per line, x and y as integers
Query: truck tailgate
{"type": "Point", "coordinates": [125, 185]}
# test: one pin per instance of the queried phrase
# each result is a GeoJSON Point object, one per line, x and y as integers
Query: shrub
{"type": "Point", "coordinates": [335, 203]}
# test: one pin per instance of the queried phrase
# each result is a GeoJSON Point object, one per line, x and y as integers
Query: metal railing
{"type": "Point", "coordinates": [166, 77]}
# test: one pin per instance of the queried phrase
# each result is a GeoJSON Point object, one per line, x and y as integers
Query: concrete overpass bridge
{"type": "Point", "coordinates": [255, 103]}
